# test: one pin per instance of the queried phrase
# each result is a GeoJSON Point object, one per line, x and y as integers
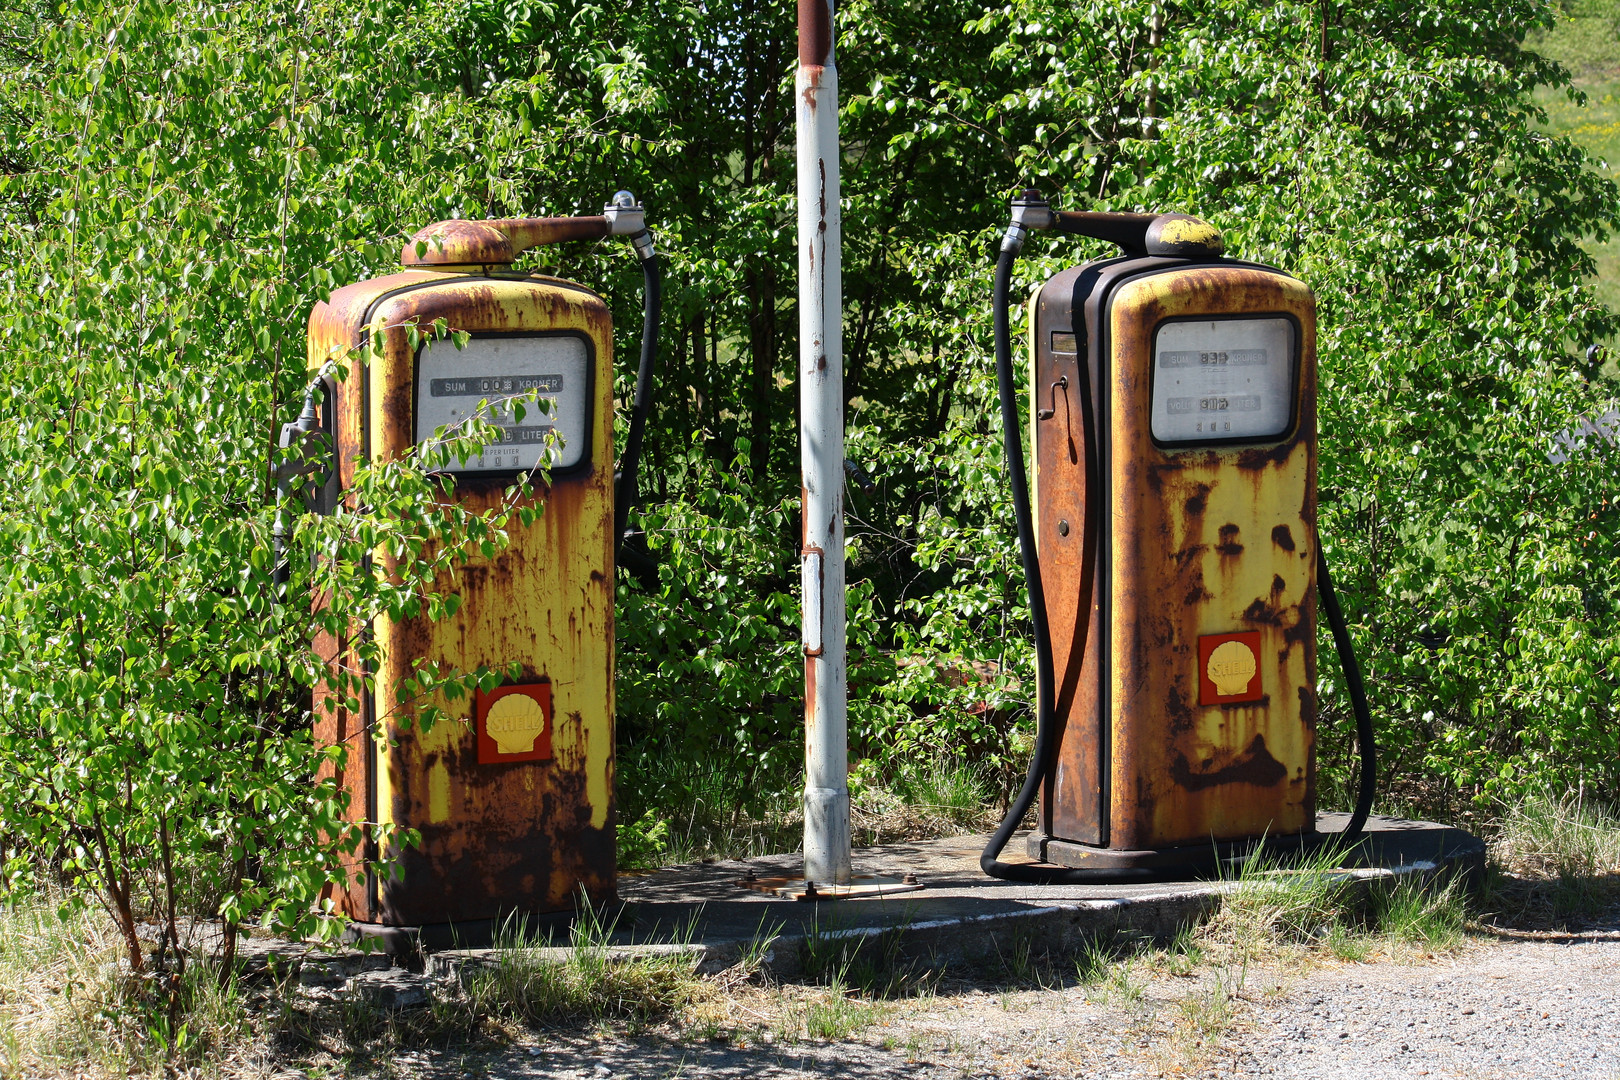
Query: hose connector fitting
{"type": "Point", "coordinates": [1030, 210]}
{"type": "Point", "coordinates": [626, 217]}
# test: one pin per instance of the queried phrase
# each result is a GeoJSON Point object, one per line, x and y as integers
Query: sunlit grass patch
{"type": "Point", "coordinates": [1281, 903]}
{"type": "Point", "coordinates": [1559, 836]}
{"type": "Point", "coordinates": [1557, 859]}
{"type": "Point", "coordinates": [1307, 905]}
{"type": "Point", "coordinates": [1589, 46]}
{"type": "Point", "coordinates": [69, 1005]}
{"type": "Point", "coordinates": [530, 983]}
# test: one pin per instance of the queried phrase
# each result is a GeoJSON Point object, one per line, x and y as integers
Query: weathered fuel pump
{"type": "Point", "coordinates": [515, 810]}
{"type": "Point", "coordinates": [1172, 559]}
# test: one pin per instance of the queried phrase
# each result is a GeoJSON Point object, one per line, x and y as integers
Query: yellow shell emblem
{"type": "Point", "coordinates": [514, 722]}
{"type": "Point", "coordinates": [1231, 666]}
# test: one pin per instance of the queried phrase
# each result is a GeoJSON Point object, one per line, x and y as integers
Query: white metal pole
{"type": "Point", "coordinates": [821, 452]}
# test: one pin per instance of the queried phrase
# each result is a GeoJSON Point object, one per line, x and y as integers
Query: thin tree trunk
{"type": "Point", "coordinates": [1325, 54]}
{"type": "Point", "coordinates": [762, 376]}
{"type": "Point", "coordinates": [117, 889]}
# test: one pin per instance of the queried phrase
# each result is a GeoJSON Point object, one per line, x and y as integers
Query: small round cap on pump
{"type": "Point", "coordinates": [457, 242]}
{"type": "Point", "coordinates": [497, 241]}
{"type": "Point", "coordinates": [1183, 235]}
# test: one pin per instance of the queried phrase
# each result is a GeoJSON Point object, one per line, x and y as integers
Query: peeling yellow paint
{"type": "Point", "coordinates": [544, 604]}
{"type": "Point", "coordinates": [1191, 231]}
{"type": "Point", "coordinates": [1215, 570]}
{"type": "Point", "coordinates": [438, 793]}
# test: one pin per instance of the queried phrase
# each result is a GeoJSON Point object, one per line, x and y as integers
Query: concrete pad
{"type": "Point", "coordinates": [961, 916]}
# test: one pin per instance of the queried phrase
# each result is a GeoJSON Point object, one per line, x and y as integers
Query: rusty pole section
{"type": "Point", "coordinates": [821, 451]}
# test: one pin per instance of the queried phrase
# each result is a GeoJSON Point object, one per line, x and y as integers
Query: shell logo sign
{"type": "Point", "coordinates": [1229, 668]}
{"type": "Point", "coordinates": [514, 724]}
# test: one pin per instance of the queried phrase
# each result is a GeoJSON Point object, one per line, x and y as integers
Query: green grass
{"type": "Point", "coordinates": [1293, 907]}
{"type": "Point", "coordinates": [69, 1007]}
{"type": "Point", "coordinates": [675, 810]}
{"type": "Point", "coordinates": [1589, 47]}
{"type": "Point", "coordinates": [949, 790]}
{"type": "Point", "coordinates": [530, 985]}
{"type": "Point", "coordinates": [1556, 862]}
{"type": "Point", "coordinates": [1204, 1018]}
{"type": "Point", "coordinates": [1559, 836]}
{"type": "Point", "coordinates": [1426, 915]}
{"type": "Point", "coordinates": [835, 1014]}
{"type": "Point", "coordinates": [1280, 902]}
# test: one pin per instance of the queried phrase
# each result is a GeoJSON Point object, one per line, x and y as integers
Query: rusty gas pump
{"type": "Point", "coordinates": [515, 810]}
{"type": "Point", "coordinates": [1172, 557]}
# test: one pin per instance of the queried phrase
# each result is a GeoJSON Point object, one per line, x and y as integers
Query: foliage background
{"type": "Point", "coordinates": [182, 181]}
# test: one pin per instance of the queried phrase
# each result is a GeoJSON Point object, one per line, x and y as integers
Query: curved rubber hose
{"type": "Point", "coordinates": [652, 302]}
{"type": "Point", "coordinates": [1358, 697]}
{"type": "Point", "coordinates": [1045, 729]}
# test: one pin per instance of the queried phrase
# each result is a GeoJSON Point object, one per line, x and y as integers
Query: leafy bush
{"type": "Point", "coordinates": [183, 181]}
{"type": "Point", "coordinates": [186, 181]}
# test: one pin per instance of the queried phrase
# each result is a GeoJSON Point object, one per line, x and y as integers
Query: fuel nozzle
{"type": "Point", "coordinates": [300, 469]}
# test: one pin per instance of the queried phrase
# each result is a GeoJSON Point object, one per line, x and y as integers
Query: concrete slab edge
{"type": "Point", "coordinates": [1059, 927]}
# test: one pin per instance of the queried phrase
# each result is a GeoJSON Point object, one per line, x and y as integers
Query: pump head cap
{"type": "Point", "coordinates": [1182, 234]}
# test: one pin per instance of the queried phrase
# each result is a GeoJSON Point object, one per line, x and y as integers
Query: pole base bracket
{"type": "Point", "coordinates": [796, 888]}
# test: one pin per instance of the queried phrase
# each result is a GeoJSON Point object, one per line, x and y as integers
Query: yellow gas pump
{"type": "Point", "coordinates": [1172, 558]}
{"type": "Point", "coordinates": [515, 810]}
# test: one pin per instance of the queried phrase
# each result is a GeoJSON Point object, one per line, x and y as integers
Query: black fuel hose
{"type": "Point", "coordinates": [652, 296]}
{"type": "Point", "coordinates": [1045, 725]}
{"type": "Point", "coordinates": [1358, 697]}
{"type": "Point", "coordinates": [1045, 729]}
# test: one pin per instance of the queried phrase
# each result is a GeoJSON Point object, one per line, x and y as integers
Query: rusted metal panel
{"type": "Point", "coordinates": [1209, 541]}
{"type": "Point", "coordinates": [1071, 805]}
{"type": "Point", "coordinates": [516, 835]}
{"type": "Point", "coordinates": [494, 242]}
{"type": "Point", "coordinates": [1206, 542]}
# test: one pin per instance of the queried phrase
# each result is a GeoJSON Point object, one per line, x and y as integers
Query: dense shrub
{"type": "Point", "coordinates": [183, 181]}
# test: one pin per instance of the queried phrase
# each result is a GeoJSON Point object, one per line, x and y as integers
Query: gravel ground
{"type": "Point", "coordinates": [1518, 1009]}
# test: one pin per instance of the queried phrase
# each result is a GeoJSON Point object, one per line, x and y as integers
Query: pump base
{"type": "Point", "coordinates": [1193, 858]}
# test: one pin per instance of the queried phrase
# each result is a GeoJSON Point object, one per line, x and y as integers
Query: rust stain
{"type": "Point", "coordinates": [495, 242]}
{"type": "Point", "coordinates": [1283, 537]}
{"type": "Point", "coordinates": [1258, 768]}
{"type": "Point", "coordinates": [1263, 457]}
{"type": "Point", "coordinates": [1179, 711]}
{"type": "Point", "coordinates": [1162, 472]}
{"type": "Point", "coordinates": [1177, 772]}
{"type": "Point", "coordinates": [1302, 632]}
{"type": "Point", "coordinates": [821, 221]}
{"type": "Point", "coordinates": [1197, 593]}
{"type": "Point", "coordinates": [815, 33]}
{"type": "Point", "coordinates": [523, 836]}
{"type": "Point", "coordinates": [1262, 612]}
{"type": "Point", "coordinates": [1186, 556]}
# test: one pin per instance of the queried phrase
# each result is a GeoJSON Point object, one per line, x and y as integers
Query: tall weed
{"type": "Point", "coordinates": [588, 983]}
{"type": "Point", "coordinates": [1559, 836]}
